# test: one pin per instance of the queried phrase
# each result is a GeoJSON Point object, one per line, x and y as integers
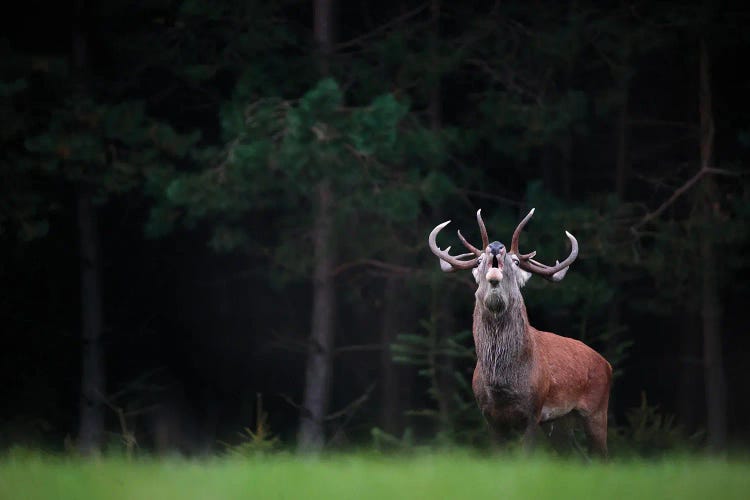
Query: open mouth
{"type": "Point", "coordinates": [495, 254]}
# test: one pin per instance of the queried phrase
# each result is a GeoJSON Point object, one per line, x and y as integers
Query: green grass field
{"type": "Point", "coordinates": [446, 475]}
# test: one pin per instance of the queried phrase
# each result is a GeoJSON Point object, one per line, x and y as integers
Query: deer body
{"type": "Point", "coordinates": [524, 376]}
{"type": "Point", "coordinates": [547, 378]}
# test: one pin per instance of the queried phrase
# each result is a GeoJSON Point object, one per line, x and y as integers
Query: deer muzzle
{"type": "Point", "coordinates": [494, 276]}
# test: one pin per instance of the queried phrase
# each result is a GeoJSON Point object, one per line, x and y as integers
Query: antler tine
{"type": "Point", "coordinates": [552, 273]}
{"type": "Point", "coordinates": [556, 272]}
{"type": "Point", "coordinates": [447, 268]}
{"type": "Point", "coordinates": [444, 256]}
{"type": "Point", "coordinates": [517, 234]}
{"type": "Point", "coordinates": [474, 250]}
{"type": "Point", "coordinates": [558, 276]}
{"type": "Point", "coordinates": [482, 229]}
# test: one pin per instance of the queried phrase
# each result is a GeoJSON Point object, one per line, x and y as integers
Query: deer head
{"type": "Point", "coordinates": [500, 273]}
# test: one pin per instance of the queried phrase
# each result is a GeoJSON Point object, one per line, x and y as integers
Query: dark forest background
{"type": "Point", "coordinates": [215, 212]}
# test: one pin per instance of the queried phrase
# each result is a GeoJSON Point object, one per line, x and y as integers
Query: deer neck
{"type": "Point", "coordinates": [502, 343]}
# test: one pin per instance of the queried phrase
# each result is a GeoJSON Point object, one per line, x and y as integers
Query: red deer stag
{"type": "Point", "coordinates": [523, 376]}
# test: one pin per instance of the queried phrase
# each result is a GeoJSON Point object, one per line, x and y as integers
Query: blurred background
{"type": "Point", "coordinates": [214, 215]}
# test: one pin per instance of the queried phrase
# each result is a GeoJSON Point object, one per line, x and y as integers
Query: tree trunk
{"type": "Point", "coordinates": [91, 418]}
{"type": "Point", "coordinates": [311, 437]}
{"type": "Point", "coordinates": [91, 423]}
{"type": "Point", "coordinates": [323, 20]}
{"type": "Point", "coordinates": [716, 404]}
{"type": "Point", "coordinates": [689, 401]}
{"type": "Point", "coordinates": [319, 357]}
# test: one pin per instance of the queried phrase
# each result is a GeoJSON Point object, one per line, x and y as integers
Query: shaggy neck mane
{"type": "Point", "coordinates": [501, 343]}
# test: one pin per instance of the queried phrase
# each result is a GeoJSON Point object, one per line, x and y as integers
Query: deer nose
{"type": "Point", "coordinates": [496, 248]}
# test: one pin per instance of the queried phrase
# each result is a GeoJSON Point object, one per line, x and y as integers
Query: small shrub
{"type": "Point", "coordinates": [383, 441]}
{"type": "Point", "coordinates": [255, 442]}
{"type": "Point", "coordinates": [649, 432]}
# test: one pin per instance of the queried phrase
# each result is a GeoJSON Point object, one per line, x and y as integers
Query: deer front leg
{"type": "Point", "coordinates": [498, 434]}
{"type": "Point", "coordinates": [529, 437]}
{"type": "Point", "coordinates": [499, 430]}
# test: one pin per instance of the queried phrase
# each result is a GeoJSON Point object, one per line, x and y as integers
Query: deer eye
{"type": "Point", "coordinates": [515, 259]}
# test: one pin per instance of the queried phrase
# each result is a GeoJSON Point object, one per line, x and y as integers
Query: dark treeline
{"type": "Point", "coordinates": [209, 208]}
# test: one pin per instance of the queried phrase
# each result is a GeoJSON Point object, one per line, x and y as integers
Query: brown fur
{"type": "Point", "coordinates": [548, 371]}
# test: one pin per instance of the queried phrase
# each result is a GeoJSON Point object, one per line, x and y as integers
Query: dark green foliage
{"type": "Point", "coordinates": [110, 147]}
{"type": "Point", "coordinates": [23, 210]}
{"type": "Point", "coordinates": [442, 360]}
{"type": "Point", "coordinates": [73, 136]}
{"type": "Point", "coordinates": [279, 149]}
{"type": "Point", "coordinates": [431, 111]}
{"type": "Point", "coordinates": [649, 431]}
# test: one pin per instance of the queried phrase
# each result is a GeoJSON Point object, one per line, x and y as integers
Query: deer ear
{"type": "Point", "coordinates": [522, 277]}
{"type": "Point", "coordinates": [445, 267]}
{"type": "Point", "coordinates": [475, 271]}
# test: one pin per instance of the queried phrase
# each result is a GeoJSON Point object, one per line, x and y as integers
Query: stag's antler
{"type": "Point", "coordinates": [449, 262]}
{"type": "Point", "coordinates": [527, 263]}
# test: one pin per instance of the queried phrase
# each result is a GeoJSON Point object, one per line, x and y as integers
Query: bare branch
{"type": "Point", "coordinates": [382, 28]}
{"type": "Point", "coordinates": [669, 201]}
{"type": "Point", "coordinates": [359, 348]}
{"type": "Point", "coordinates": [649, 122]}
{"type": "Point", "coordinates": [137, 384]}
{"type": "Point", "coordinates": [490, 196]}
{"type": "Point", "coordinates": [352, 407]}
{"type": "Point", "coordinates": [707, 131]}
{"type": "Point", "coordinates": [346, 411]}
{"type": "Point", "coordinates": [393, 268]}
{"type": "Point", "coordinates": [303, 411]}
{"type": "Point", "coordinates": [141, 411]}
{"type": "Point", "coordinates": [128, 436]}
{"type": "Point", "coordinates": [730, 173]}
